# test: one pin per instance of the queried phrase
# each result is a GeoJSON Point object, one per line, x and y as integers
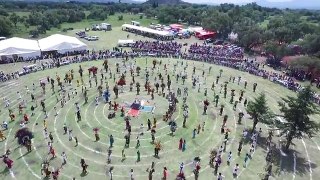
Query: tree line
{"type": "Point", "coordinates": [270, 29]}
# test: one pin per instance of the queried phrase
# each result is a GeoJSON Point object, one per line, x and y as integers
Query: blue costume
{"type": "Point", "coordinates": [106, 95]}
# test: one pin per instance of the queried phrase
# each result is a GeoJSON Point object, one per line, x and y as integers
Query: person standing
{"type": "Point", "coordinates": [194, 133]}
{"type": "Point", "coordinates": [51, 137]}
{"type": "Point", "coordinates": [55, 111]}
{"type": "Point", "coordinates": [65, 128]}
{"type": "Point", "coordinates": [149, 124]}
{"type": "Point", "coordinates": [181, 168]}
{"type": "Point", "coordinates": [109, 156]}
{"type": "Point", "coordinates": [246, 158]}
{"type": "Point", "coordinates": [165, 173]}
{"type": "Point", "coordinates": [70, 134]}
{"type": "Point", "coordinates": [229, 158]}
{"type": "Point", "coordinates": [84, 166]}
{"type": "Point", "coordinates": [184, 145]}
{"type": "Point", "coordinates": [76, 139]}
{"type": "Point", "coordinates": [220, 176]}
{"type": "Point", "coordinates": [235, 171]}
{"type": "Point", "coordinates": [111, 140]}
{"type": "Point", "coordinates": [131, 174]}
{"type": "Point", "coordinates": [240, 147]}
{"type": "Point", "coordinates": [110, 172]}
{"type": "Point", "coordinates": [138, 156]}
{"type": "Point", "coordinates": [123, 154]}
{"type": "Point", "coordinates": [180, 143]}
{"type": "Point", "coordinates": [64, 157]}
{"type": "Point", "coordinates": [138, 142]}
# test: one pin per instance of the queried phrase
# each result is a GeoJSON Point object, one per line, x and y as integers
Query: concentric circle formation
{"type": "Point", "coordinates": [94, 118]}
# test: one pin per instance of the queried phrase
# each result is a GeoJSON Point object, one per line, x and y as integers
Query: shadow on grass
{"type": "Point", "coordinates": [283, 158]}
{"type": "Point", "coordinates": [5, 171]}
{"type": "Point", "coordinates": [23, 155]}
{"type": "Point", "coordinates": [302, 165]}
{"type": "Point", "coordinates": [83, 174]}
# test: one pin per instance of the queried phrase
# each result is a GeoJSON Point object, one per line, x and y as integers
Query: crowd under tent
{"type": "Point", "coordinates": [147, 31]}
{"type": "Point", "coordinates": [20, 47]}
{"type": "Point", "coordinates": [61, 44]}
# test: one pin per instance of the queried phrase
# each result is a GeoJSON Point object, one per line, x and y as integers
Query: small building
{"type": "Point", "coordinates": [105, 26]}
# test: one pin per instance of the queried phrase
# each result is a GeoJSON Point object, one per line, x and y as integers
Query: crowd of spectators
{"type": "Point", "coordinates": [157, 48]}
{"type": "Point", "coordinates": [226, 51]}
{"type": "Point", "coordinates": [231, 56]}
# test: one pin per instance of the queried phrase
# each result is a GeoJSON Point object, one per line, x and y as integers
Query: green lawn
{"type": "Point", "coordinates": [22, 31]}
{"type": "Point", "coordinates": [95, 117]}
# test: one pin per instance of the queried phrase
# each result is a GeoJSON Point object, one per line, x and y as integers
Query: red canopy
{"type": "Point", "coordinates": [204, 34]}
{"type": "Point", "coordinates": [176, 26]}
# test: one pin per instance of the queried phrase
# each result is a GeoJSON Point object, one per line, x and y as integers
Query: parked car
{"type": "Point", "coordinates": [91, 38]}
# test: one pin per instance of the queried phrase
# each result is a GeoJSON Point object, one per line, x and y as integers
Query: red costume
{"type": "Point", "coordinates": [52, 151]}
{"type": "Point", "coordinates": [115, 106]}
{"type": "Point", "coordinates": [8, 162]}
{"type": "Point", "coordinates": [26, 118]}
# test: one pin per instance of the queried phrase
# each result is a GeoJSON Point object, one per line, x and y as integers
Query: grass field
{"type": "Point", "coordinates": [300, 163]}
{"type": "Point", "coordinates": [23, 32]}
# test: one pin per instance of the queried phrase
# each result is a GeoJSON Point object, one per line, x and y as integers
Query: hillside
{"type": "Point", "coordinates": [165, 2]}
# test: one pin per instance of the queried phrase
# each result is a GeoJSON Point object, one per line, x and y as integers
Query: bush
{"type": "Point", "coordinates": [34, 33]}
{"type": "Point", "coordinates": [120, 18]}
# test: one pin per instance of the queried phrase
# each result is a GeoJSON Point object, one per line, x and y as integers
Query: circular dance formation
{"type": "Point", "coordinates": [137, 118]}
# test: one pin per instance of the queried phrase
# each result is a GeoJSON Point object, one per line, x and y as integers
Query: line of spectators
{"type": "Point", "coordinates": [157, 48]}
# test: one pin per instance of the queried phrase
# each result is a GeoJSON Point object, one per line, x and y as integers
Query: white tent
{"type": "Point", "coordinates": [127, 42]}
{"type": "Point", "coordinates": [20, 47]}
{"type": "Point", "coordinates": [147, 30]}
{"type": "Point", "coordinates": [61, 43]}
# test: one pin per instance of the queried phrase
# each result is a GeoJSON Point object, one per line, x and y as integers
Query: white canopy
{"type": "Point", "coordinates": [20, 47]}
{"type": "Point", "coordinates": [148, 30]}
{"type": "Point", "coordinates": [127, 41]}
{"type": "Point", "coordinates": [61, 43]}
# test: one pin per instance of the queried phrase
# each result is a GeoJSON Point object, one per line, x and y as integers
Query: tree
{"type": "Point", "coordinates": [259, 111]}
{"type": "Point", "coordinates": [296, 112]}
{"type": "Point", "coordinates": [5, 26]}
{"type": "Point", "coordinates": [14, 18]}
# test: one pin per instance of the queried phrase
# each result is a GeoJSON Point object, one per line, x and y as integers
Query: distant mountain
{"type": "Point", "coordinates": [165, 2]}
{"type": "Point", "coordinates": [85, 1]}
{"type": "Point", "coordinates": [292, 4]}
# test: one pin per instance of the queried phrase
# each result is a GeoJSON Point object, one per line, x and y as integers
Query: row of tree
{"type": "Point", "coordinates": [256, 26]}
